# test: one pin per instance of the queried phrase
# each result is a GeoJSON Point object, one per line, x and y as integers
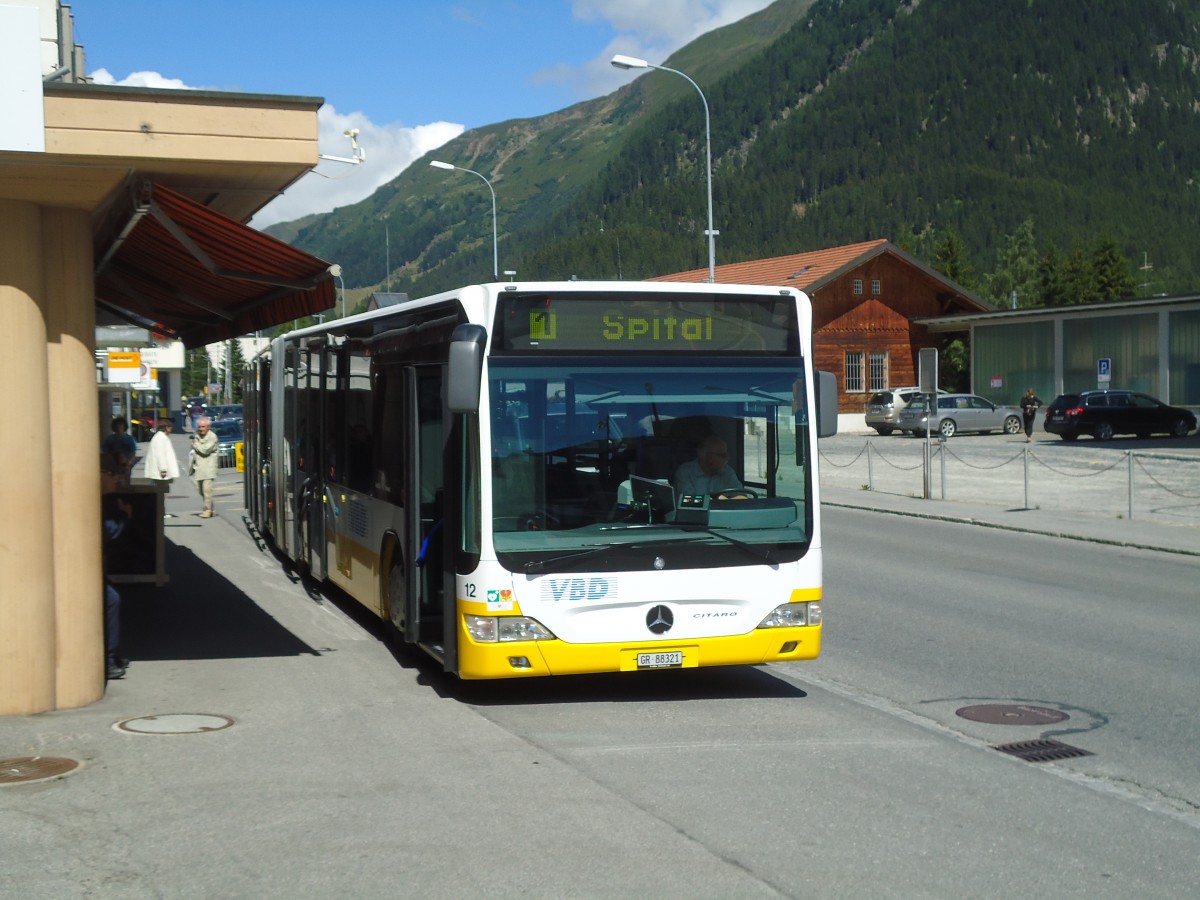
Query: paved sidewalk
{"type": "Point", "coordinates": [1079, 525]}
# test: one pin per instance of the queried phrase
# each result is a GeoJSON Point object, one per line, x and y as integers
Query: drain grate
{"type": "Point", "coordinates": [23, 769]}
{"type": "Point", "coordinates": [1044, 750]}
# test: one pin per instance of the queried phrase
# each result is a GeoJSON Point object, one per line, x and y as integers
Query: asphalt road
{"type": "Point", "coordinates": [947, 616]}
{"type": "Point", "coordinates": [349, 770]}
{"type": "Point", "coordinates": [855, 776]}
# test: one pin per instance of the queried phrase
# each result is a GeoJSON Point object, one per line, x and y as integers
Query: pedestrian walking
{"type": "Point", "coordinates": [204, 463]}
{"type": "Point", "coordinates": [1030, 404]}
{"type": "Point", "coordinates": [161, 464]}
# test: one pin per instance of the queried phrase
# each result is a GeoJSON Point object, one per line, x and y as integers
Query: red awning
{"type": "Point", "coordinates": [202, 276]}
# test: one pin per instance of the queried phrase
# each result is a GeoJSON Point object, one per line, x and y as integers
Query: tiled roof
{"type": "Point", "coordinates": [798, 270]}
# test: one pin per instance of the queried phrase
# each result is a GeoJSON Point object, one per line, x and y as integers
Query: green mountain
{"type": "Point", "coordinates": [1072, 123]}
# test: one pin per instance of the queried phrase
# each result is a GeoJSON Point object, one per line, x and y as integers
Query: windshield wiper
{"type": "Point", "coordinates": [540, 565]}
{"type": "Point", "coordinates": [756, 552]}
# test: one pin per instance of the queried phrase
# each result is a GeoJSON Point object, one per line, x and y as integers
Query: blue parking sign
{"type": "Point", "coordinates": [1104, 370]}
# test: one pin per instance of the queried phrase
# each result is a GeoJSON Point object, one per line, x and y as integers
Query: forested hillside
{"type": "Point", "coordinates": [1044, 146]}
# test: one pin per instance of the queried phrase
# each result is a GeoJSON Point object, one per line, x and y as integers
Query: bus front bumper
{"type": "Point", "coordinates": [521, 659]}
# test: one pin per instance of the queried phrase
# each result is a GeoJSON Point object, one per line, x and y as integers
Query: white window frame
{"type": "Point", "coordinates": [878, 366]}
{"type": "Point", "coordinates": [855, 383]}
{"type": "Point", "coordinates": [876, 287]}
{"type": "Point", "coordinates": [857, 287]}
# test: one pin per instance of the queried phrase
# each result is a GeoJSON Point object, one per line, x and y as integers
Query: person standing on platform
{"type": "Point", "coordinates": [121, 443]}
{"type": "Point", "coordinates": [204, 463]}
{"type": "Point", "coordinates": [115, 515]}
{"type": "Point", "coordinates": [161, 464]}
{"type": "Point", "coordinates": [1030, 404]}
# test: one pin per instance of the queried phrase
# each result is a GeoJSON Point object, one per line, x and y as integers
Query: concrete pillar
{"type": "Point", "coordinates": [27, 628]}
{"type": "Point", "coordinates": [74, 456]}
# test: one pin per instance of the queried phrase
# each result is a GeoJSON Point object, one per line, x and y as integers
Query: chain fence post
{"type": "Point", "coordinates": [925, 470]}
{"type": "Point", "coordinates": [1025, 452]}
{"type": "Point", "coordinates": [1129, 456]}
{"type": "Point", "coordinates": [870, 469]}
{"type": "Point", "coordinates": [942, 464]}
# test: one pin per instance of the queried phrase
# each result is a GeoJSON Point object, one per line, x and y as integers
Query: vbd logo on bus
{"type": "Point", "coordinates": [590, 590]}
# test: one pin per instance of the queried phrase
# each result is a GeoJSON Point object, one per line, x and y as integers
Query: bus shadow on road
{"type": "Point", "coordinates": [199, 614]}
{"type": "Point", "coordinates": [663, 686]}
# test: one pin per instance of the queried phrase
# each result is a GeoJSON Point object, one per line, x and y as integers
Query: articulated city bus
{"type": "Point", "coordinates": [496, 472]}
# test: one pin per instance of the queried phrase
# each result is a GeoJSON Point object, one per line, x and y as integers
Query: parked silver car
{"type": "Point", "coordinates": [960, 412]}
{"type": "Point", "coordinates": [884, 408]}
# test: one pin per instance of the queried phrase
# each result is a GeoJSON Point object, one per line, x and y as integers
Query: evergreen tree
{"type": "Point", "coordinates": [1110, 272]}
{"type": "Point", "coordinates": [950, 258]}
{"type": "Point", "coordinates": [1051, 281]}
{"type": "Point", "coordinates": [1016, 270]}
{"type": "Point", "coordinates": [237, 363]}
{"type": "Point", "coordinates": [1079, 283]}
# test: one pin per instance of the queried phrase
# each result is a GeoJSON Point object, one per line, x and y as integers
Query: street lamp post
{"type": "Point", "coordinates": [336, 271]}
{"type": "Point", "coordinates": [632, 62]}
{"type": "Point", "coordinates": [438, 164]}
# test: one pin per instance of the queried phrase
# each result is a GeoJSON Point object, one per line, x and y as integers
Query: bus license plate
{"type": "Point", "coordinates": [660, 660]}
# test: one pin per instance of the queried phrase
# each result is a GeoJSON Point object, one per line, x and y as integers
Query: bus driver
{"type": "Point", "coordinates": [709, 472]}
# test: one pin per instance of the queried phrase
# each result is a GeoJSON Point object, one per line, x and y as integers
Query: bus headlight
{"type": "Point", "coordinates": [792, 614]}
{"type": "Point", "coordinates": [493, 629]}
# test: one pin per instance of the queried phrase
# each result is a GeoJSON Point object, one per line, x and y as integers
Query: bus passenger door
{"type": "Point", "coordinates": [307, 452]}
{"type": "Point", "coordinates": [425, 526]}
{"type": "Point", "coordinates": [289, 478]}
{"type": "Point", "coordinates": [322, 386]}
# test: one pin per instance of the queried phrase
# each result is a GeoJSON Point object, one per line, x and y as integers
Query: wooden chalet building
{"type": "Point", "coordinates": [865, 300]}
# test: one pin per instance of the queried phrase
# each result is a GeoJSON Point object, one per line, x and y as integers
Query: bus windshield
{"type": "Point", "coordinates": [602, 463]}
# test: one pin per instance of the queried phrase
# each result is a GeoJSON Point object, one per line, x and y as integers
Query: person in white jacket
{"type": "Point", "coordinates": [160, 463]}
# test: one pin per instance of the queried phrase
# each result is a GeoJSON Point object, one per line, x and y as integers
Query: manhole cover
{"type": "Point", "coordinates": [23, 769]}
{"type": "Point", "coordinates": [174, 723]}
{"type": "Point", "coordinates": [1012, 714]}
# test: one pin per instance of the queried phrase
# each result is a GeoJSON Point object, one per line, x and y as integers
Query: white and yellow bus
{"type": "Point", "coordinates": [494, 471]}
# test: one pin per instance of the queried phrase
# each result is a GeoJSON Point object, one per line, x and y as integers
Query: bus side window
{"type": "Point", "coordinates": [390, 450]}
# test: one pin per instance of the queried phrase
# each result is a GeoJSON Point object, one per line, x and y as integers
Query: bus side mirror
{"type": "Point", "coordinates": [827, 407]}
{"type": "Point", "coordinates": [466, 368]}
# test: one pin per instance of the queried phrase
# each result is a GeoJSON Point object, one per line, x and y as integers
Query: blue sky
{"type": "Point", "coordinates": [409, 74]}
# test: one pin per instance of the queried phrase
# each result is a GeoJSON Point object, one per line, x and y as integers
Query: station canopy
{"type": "Point", "coordinates": [169, 263]}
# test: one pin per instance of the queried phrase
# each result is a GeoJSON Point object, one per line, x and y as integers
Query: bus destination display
{"type": "Point", "coordinates": [645, 322]}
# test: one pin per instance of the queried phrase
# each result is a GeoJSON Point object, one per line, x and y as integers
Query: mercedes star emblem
{"type": "Point", "coordinates": [660, 619]}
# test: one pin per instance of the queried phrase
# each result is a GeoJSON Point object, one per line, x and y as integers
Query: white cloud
{"type": "Point", "coordinates": [389, 150]}
{"type": "Point", "coordinates": [648, 29]}
{"type": "Point", "coordinates": [142, 79]}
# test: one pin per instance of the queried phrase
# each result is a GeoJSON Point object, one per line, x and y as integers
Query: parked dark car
{"type": "Point", "coordinates": [225, 411]}
{"type": "Point", "coordinates": [229, 435]}
{"type": "Point", "coordinates": [1105, 413]}
{"type": "Point", "coordinates": [960, 412]}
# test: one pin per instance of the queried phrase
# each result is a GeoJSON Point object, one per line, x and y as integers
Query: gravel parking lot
{"type": "Point", "coordinates": [1149, 480]}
